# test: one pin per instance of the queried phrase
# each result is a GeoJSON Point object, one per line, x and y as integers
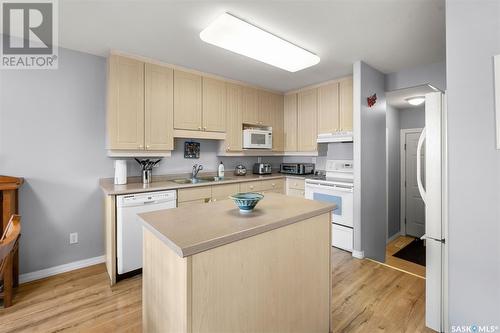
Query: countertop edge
{"type": "Point", "coordinates": [175, 186]}
{"type": "Point", "coordinates": [231, 238]}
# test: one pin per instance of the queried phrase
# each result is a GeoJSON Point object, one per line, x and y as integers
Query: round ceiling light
{"type": "Point", "coordinates": [417, 100]}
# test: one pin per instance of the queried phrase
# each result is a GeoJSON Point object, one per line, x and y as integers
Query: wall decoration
{"type": "Point", "coordinates": [496, 66]}
{"type": "Point", "coordinates": [191, 149]}
{"type": "Point", "coordinates": [371, 100]}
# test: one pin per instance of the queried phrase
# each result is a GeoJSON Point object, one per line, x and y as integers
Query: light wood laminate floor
{"type": "Point", "coordinates": [367, 297]}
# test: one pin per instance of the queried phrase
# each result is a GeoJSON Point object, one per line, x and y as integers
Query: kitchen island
{"type": "Point", "coordinates": [210, 268]}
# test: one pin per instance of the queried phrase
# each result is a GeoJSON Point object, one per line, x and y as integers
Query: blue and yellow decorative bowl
{"type": "Point", "coordinates": [246, 202]}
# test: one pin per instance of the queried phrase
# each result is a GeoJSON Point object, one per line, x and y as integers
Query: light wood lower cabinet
{"type": "Point", "coordinates": [194, 193]}
{"type": "Point", "coordinates": [222, 192]}
{"type": "Point", "coordinates": [251, 285]}
{"type": "Point", "coordinates": [307, 105]}
{"type": "Point", "coordinates": [295, 187]}
{"type": "Point", "coordinates": [187, 101]}
{"type": "Point", "coordinates": [271, 185]}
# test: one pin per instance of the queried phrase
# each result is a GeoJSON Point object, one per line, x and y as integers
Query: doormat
{"type": "Point", "coordinates": [414, 252]}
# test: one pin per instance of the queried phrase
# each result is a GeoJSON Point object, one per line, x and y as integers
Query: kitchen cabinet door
{"type": "Point", "coordinates": [250, 106]}
{"type": "Point", "coordinates": [214, 105]}
{"type": "Point", "coordinates": [222, 192]}
{"type": "Point", "coordinates": [187, 101]}
{"type": "Point", "coordinates": [290, 122]}
{"type": "Point", "coordinates": [125, 103]}
{"type": "Point", "coordinates": [265, 114]}
{"type": "Point", "coordinates": [278, 123]}
{"type": "Point", "coordinates": [328, 108]}
{"type": "Point", "coordinates": [234, 124]}
{"type": "Point", "coordinates": [159, 107]}
{"type": "Point", "coordinates": [346, 104]}
{"type": "Point", "coordinates": [307, 105]}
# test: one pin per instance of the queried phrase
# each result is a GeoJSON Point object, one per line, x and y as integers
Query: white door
{"type": "Point", "coordinates": [414, 205]}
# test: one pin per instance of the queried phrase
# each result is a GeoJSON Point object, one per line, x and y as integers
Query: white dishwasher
{"type": "Point", "coordinates": [129, 227]}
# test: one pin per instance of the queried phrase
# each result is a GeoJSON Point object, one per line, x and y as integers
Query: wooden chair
{"type": "Point", "coordinates": [8, 246]}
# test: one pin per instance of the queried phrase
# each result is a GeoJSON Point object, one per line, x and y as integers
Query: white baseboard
{"type": "Point", "coordinates": [43, 273]}
{"type": "Point", "coordinates": [358, 254]}
{"type": "Point", "coordinates": [393, 237]}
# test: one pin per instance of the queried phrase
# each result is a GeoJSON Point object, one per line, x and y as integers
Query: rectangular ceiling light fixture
{"type": "Point", "coordinates": [233, 34]}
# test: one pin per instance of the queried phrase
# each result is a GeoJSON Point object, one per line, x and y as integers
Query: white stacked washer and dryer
{"type": "Point", "coordinates": [336, 186]}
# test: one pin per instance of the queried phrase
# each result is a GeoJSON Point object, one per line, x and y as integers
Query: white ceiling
{"type": "Point", "coordinates": [387, 34]}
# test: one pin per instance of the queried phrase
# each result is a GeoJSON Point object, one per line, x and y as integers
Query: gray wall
{"type": "Point", "coordinates": [434, 74]}
{"type": "Point", "coordinates": [393, 170]}
{"type": "Point", "coordinates": [370, 185]}
{"type": "Point", "coordinates": [473, 37]}
{"type": "Point", "coordinates": [412, 118]}
{"type": "Point", "coordinates": [52, 133]}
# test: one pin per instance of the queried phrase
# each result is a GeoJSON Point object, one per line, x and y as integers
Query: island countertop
{"type": "Point", "coordinates": [197, 228]}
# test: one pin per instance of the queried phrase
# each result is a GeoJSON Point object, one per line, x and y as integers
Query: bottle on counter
{"type": "Point", "coordinates": [220, 172]}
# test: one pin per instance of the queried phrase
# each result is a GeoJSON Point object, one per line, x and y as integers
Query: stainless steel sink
{"type": "Point", "coordinates": [197, 180]}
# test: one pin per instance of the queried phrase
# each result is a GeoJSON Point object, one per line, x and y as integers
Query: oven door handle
{"type": "Point", "coordinates": [333, 187]}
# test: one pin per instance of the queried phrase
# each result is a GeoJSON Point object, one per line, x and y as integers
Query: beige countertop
{"type": "Point", "coordinates": [165, 182]}
{"type": "Point", "coordinates": [197, 228]}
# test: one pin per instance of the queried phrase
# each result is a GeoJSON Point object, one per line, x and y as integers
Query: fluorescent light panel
{"type": "Point", "coordinates": [233, 34]}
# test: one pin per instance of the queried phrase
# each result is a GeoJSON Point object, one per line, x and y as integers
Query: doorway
{"type": "Point", "coordinates": [412, 206]}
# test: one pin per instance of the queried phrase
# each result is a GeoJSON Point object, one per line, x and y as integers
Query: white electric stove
{"type": "Point", "coordinates": [337, 187]}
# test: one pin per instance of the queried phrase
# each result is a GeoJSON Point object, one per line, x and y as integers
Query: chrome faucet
{"type": "Point", "coordinates": [196, 168]}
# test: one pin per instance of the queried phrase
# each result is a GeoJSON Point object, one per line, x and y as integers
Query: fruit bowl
{"type": "Point", "coordinates": [246, 202]}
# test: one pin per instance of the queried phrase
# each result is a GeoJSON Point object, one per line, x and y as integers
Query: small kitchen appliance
{"type": "Point", "coordinates": [240, 170]}
{"type": "Point", "coordinates": [120, 172]}
{"type": "Point", "coordinates": [257, 138]}
{"type": "Point", "coordinates": [262, 169]}
{"type": "Point", "coordinates": [297, 168]}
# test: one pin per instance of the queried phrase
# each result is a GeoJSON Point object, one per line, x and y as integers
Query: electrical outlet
{"type": "Point", "coordinates": [73, 238]}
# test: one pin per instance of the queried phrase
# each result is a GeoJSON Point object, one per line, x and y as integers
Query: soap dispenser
{"type": "Point", "coordinates": [220, 172]}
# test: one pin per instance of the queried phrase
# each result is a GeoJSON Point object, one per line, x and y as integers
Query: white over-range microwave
{"type": "Point", "coordinates": [257, 138]}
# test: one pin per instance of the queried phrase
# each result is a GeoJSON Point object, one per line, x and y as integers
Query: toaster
{"type": "Point", "coordinates": [262, 169]}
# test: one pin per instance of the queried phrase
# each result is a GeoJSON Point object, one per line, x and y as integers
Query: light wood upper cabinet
{"type": "Point", "coordinates": [290, 122]}
{"type": "Point", "coordinates": [234, 134]}
{"type": "Point", "coordinates": [125, 103]}
{"type": "Point", "coordinates": [187, 101]}
{"type": "Point", "coordinates": [307, 105]}
{"type": "Point", "coordinates": [250, 106]}
{"type": "Point", "coordinates": [277, 122]}
{"type": "Point", "coordinates": [265, 109]}
{"type": "Point", "coordinates": [159, 107]}
{"type": "Point", "coordinates": [214, 105]}
{"type": "Point", "coordinates": [346, 104]}
{"type": "Point", "coordinates": [328, 108]}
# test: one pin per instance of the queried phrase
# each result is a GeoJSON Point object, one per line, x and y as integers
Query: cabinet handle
{"type": "Point", "coordinates": [214, 200]}
{"type": "Point", "coordinates": [199, 128]}
{"type": "Point", "coordinates": [140, 146]}
{"type": "Point", "coordinates": [147, 147]}
{"type": "Point", "coordinates": [273, 185]}
{"type": "Point", "coordinates": [204, 128]}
